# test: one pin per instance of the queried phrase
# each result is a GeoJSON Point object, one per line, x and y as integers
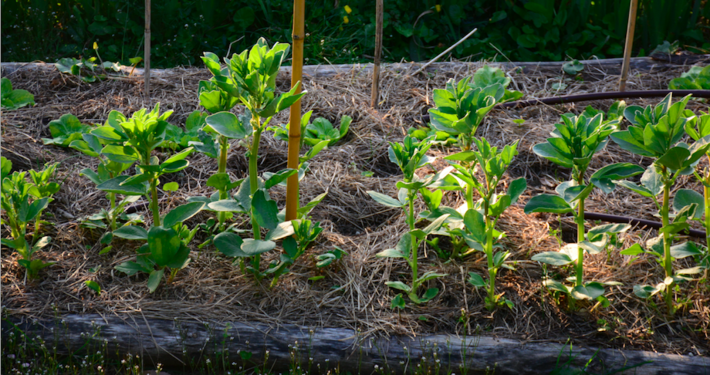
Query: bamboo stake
{"type": "Point", "coordinates": [629, 44]}
{"type": "Point", "coordinates": [146, 51]}
{"type": "Point", "coordinates": [445, 52]}
{"type": "Point", "coordinates": [378, 54]}
{"type": "Point", "coordinates": [294, 129]}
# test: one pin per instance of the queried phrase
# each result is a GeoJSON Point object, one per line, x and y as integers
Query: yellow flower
{"type": "Point", "coordinates": [96, 46]}
{"type": "Point", "coordinates": [348, 10]}
{"type": "Point", "coordinates": [438, 7]}
{"type": "Point", "coordinates": [345, 19]}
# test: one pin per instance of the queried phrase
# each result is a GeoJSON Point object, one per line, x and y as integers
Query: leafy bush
{"type": "Point", "coordinates": [14, 99]}
{"type": "Point", "coordinates": [697, 78]}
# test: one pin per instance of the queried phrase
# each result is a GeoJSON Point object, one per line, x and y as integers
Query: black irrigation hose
{"type": "Point", "coordinates": [641, 222]}
{"type": "Point", "coordinates": [604, 95]}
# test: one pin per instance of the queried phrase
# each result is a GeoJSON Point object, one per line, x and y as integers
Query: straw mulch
{"type": "Point", "coordinates": [353, 293]}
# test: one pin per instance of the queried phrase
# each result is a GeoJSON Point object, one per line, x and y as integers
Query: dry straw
{"type": "Point", "coordinates": [353, 294]}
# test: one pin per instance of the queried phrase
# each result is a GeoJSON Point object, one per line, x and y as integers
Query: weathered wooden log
{"type": "Point", "coordinates": [170, 342]}
{"type": "Point", "coordinates": [591, 67]}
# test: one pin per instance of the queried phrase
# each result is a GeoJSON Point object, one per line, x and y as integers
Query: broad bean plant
{"type": "Point", "coordinates": [573, 145]}
{"type": "Point", "coordinates": [22, 203]}
{"type": "Point", "coordinates": [656, 133]}
{"type": "Point", "coordinates": [480, 220]}
{"type": "Point", "coordinates": [410, 155]}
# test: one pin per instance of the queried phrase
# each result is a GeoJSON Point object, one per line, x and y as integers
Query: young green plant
{"type": "Point", "coordinates": [480, 221]}
{"type": "Point", "coordinates": [573, 145]}
{"type": "Point", "coordinates": [698, 127]}
{"type": "Point", "coordinates": [14, 99]}
{"type": "Point", "coordinates": [410, 155]}
{"type": "Point", "coordinates": [656, 132]}
{"type": "Point", "coordinates": [22, 203]}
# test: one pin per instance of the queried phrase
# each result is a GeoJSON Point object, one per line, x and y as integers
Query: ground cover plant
{"type": "Point", "coordinates": [351, 292]}
{"type": "Point", "coordinates": [14, 99]}
{"type": "Point", "coordinates": [697, 78]}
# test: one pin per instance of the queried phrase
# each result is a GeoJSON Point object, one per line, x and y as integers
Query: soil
{"type": "Point", "coordinates": [353, 293]}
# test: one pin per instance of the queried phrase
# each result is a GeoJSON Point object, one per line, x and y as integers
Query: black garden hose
{"type": "Point", "coordinates": [603, 95]}
{"type": "Point", "coordinates": [641, 222]}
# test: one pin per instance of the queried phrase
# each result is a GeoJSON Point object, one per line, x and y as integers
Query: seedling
{"type": "Point", "coordinates": [480, 220]}
{"type": "Point", "coordinates": [327, 258]}
{"type": "Point", "coordinates": [22, 202]}
{"type": "Point", "coordinates": [46, 188]}
{"type": "Point", "coordinates": [488, 76]}
{"type": "Point", "coordinates": [410, 155]}
{"type": "Point", "coordinates": [14, 99]}
{"type": "Point", "coordinates": [573, 145]}
{"type": "Point", "coordinates": [655, 132]}
{"type": "Point", "coordinates": [66, 130]}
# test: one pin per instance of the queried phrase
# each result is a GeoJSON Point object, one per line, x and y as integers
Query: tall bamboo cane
{"type": "Point", "coordinates": [294, 130]}
{"type": "Point", "coordinates": [629, 44]}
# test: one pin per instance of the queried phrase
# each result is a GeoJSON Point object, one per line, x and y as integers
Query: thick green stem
{"type": "Point", "coordinates": [469, 196]}
{"type": "Point", "coordinates": [415, 274]}
{"type": "Point", "coordinates": [36, 232]}
{"type": "Point", "coordinates": [112, 198]}
{"type": "Point", "coordinates": [222, 168]}
{"type": "Point", "coordinates": [579, 268]}
{"type": "Point", "coordinates": [254, 186]}
{"type": "Point", "coordinates": [154, 203]}
{"type": "Point", "coordinates": [667, 260]}
{"type": "Point", "coordinates": [489, 255]}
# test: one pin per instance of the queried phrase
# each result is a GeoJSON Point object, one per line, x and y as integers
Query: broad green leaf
{"type": "Point", "coordinates": [181, 213]}
{"type": "Point", "coordinates": [684, 250]}
{"type": "Point", "coordinates": [686, 197]}
{"type": "Point", "coordinates": [589, 291]}
{"type": "Point", "coordinates": [633, 250]}
{"type": "Point", "coordinates": [230, 244]}
{"type": "Point", "coordinates": [163, 243]}
{"type": "Point", "coordinates": [647, 291]}
{"type": "Point", "coordinates": [516, 188]}
{"type": "Point", "coordinates": [604, 177]}
{"type": "Point", "coordinates": [226, 205]}
{"type": "Point", "coordinates": [636, 188]}
{"type": "Point", "coordinates": [547, 203]}
{"type": "Point", "coordinates": [114, 185]}
{"type": "Point", "coordinates": [228, 125]}
{"type": "Point", "coordinates": [476, 280]}
{"type": "Point", "coordinates": [29, 212]}
{"type": "Point", "coordinates": [674, 158]}
{"type": "Point", "coordinates": [385, 199]}
{"type": "Point", "coordinates": [284, 229]}
{"type": "Point", "coordinates": [278, 177]}
{"type": "Point", "coordinates": [265, 211]}
{"type": "Point", "coordinates": [131, 232]}
{"type": "Point", "coordinates": [253, 247]}
{"type": "Point", "coordinates": [154, 280]}
{"type": "Point", "coordinates": [131, 268]}
{"type": "Point", "coordinates": [553, 258]}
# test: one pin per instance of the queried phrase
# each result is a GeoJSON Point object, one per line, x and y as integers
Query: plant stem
{"type": "Point", "coordinates": [415, 276]}
{"type": "Point", "coordinates": [254, 186]}
{"type": "Point", "coordinates": [112, 198]}
{"type": "Point", "coordinates": [36, 231]}
{"type": "Point", "coordinates": [489, 257]}
{"type": "Point", "coordinates": [154, 203]}
{"type": "Point", "coordinates": [579, 268]}
{"type": "Point", "coordinates": [706, 191]}
{"type": "Point", "coordinates": [469, 196]}
{"type": "Point", "coordinates": [222, 168]}
{"type": "Point", "coordinates": [667, 263]}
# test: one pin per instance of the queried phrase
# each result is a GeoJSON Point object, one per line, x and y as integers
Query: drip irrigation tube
{"type": "Point", "coordinates": [641, 222]}
{"type": "Point", "coordinates": [604, 95]}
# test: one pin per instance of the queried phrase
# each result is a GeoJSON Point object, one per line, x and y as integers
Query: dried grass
{"type": "Point", "coordinates": [353, 294]}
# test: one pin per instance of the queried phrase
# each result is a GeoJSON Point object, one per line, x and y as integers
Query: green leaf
{"type": "Point", "coordinates": [230, 244]}
{"type": "Point", "coordinates": [646, 291]}
{"type": "Point", "coordinates": [265, 211]}
{"type": "Point", "coordinates": [547, 203]}
{"type": "Point", "coordinates": [154, 280]}
{"type": "Point", "coordinates": [674, 158]}
{"type": "Point", "coordinates": [476, 280]}
{"type": "Point", "coordinates": [226, 205]}
{"type": "Point", "coordinates": [181, 213]}
{"type": "Point", "coordinates": [398, 302]}
{"type": "Point", "coordinates": [131, 268]}
{"type": "Point", "coordinates": [516, 188]}
{"type": "Point", "coordinates": [588, 291]}
{"type": "Point", "coordinates": [163, 244]}
{"type": "Point", "coordinates": [399, 286]}
{"type": "Point", "coordinates": [131, 232]}
{"type": "Point", "coordinates": [604, 177]}
{"type": "Point", "coordinates": [171, 186]}
{"type": "Point", "coordinates": [93, 285]}
{"type": "Point", "coordinates": [633, 250]}
{"type": "Point", "coordinates": [385, 199]}
{"type": "Point", "coordinates": [278, 177]}
{"type": "Point", "coordinates": [636, 188]}
{"type": "Point", "coordinates": [572, 67]}
{"type": "Point", "coordinates": [114, 185]}
{"type": "Point", "coordinates": [29, 212]}
{"type": "Point", "coordinates": [553, 258]}
{"type": "Point", "coordinates": [252, 247]}
{"type": "Point", "coordinates": [66, 130]}
{"type": "Point", "coordinates": [686, 197]}
{"type": "Point", "coordinates": [228, 125]}
{"type": "Point", "coordinates": [684, 250]}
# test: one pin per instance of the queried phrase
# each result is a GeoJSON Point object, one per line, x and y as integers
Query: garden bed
{"type": "Point", "coordinates": [352, 295]}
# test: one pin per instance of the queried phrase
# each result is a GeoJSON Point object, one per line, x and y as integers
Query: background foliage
{"type": "Point", "coordinates": [532, 30]}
